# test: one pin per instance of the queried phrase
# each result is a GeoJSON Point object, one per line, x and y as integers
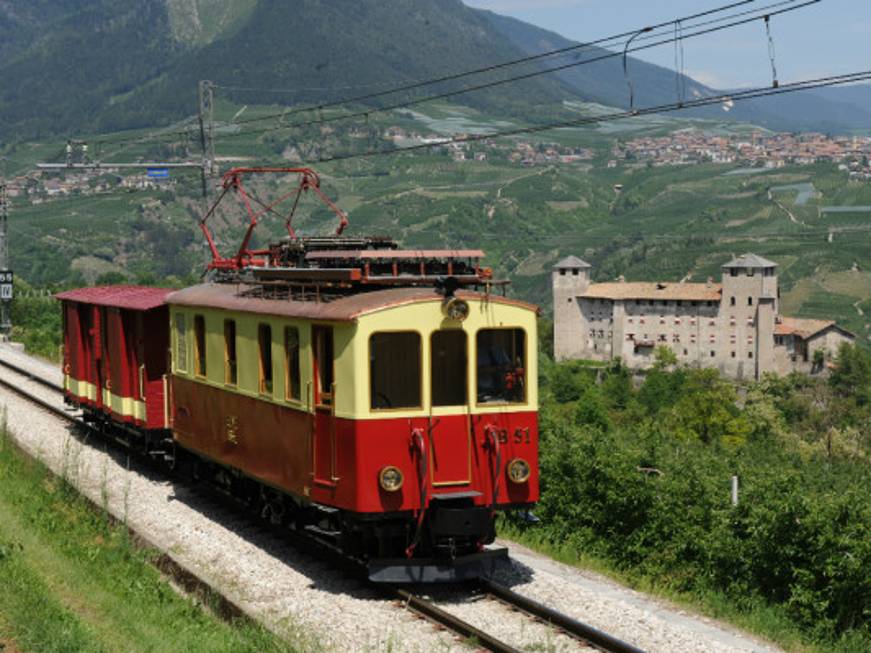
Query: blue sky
{"type": "Point", "coordinates": [833, 36]}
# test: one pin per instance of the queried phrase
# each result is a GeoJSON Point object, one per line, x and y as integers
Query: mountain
{"type": "Point", "coordinates": [122, 63]}
{"type": "Point", "coordinates": [69, 67]}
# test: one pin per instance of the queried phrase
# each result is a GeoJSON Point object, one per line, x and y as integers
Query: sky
{"type": "Point", "coordinates": [830, 37]}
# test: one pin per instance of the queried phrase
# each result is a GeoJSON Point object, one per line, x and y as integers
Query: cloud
{"type": "Point", "coordinates": [715, 81]}
{"type": "Point", "coordinates": [523, 5]}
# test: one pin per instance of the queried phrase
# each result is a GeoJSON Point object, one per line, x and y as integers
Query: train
{"type": "Point", "coordinates": [380, 401]}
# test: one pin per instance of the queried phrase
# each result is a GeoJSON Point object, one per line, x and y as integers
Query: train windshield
{"type": "Point", "coordinates": [394, 370]}
{"type": "Point", "coordinates": [448, 373]}
{"type": "Point", "coordinates": [501, 366]}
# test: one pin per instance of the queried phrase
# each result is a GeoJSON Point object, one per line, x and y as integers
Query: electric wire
{"type": "Point", "coordinates": [782, 5]}
{"type": "Point", "coordinates": [440, 96]}
{"type": "Point", "coordinates": [822, 82]}
{"type": "Point", "coordinates": [499, 66]}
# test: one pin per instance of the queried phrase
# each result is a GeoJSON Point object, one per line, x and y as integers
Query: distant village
{"type": "Point", "coordinates": [690, 146]}
{"type": "Point", "coordinates": [684, 147]}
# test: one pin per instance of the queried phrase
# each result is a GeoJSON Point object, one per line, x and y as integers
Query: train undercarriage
{"type": "Point", "coordinates": [450, 542]}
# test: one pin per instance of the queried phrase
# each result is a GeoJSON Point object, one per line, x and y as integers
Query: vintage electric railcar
{"type": "Point", "coordinates": [364, 395]}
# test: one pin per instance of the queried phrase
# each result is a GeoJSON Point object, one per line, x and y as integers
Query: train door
{"type": "Point", "coordinates": [98, 346]}
{"type": "Point", "coordinates": [324, 448]}
{"type": "Point", "coordinates": [450, 438]}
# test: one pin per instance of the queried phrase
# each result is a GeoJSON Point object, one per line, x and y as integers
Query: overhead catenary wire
{"type": "Point", "coordinates": [499, 66]}
{"type": "Point", "coordinates": [780, 7]}
{"type": "Point", "coordinates": [510, 80]}
{"type": "Point", "coordinates": [821, 82]}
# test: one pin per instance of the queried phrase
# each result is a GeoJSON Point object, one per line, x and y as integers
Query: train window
{"type": "Point", "coordinates": [448, 373]}
{"type": "Point", "coordinates": [394, 370]}
{"type": "Point", "coordinates": [323, 350]}
{"type": "Point", "coordinates": [181, 343]}
{"type": "Point", "coordinates": [200, 344]}
{"type": "Point", "coordinates": [291, 363]}
{"type": "Point", "coordinates": [501, 366]}
{"type": "Point", "coordinates": [264, 340]}
{"type": "Point", "coordinates": [230, 375]}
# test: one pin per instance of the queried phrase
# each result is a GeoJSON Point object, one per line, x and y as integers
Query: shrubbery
{"type": "Point", "coordinates": [640, 477]}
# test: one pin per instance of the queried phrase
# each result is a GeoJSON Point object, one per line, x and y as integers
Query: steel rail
{"type": "Point", "coordinates": [588, 634]}
{"type": "Point", "coordinates": [31, 376]}
{"type": "Point", "coordinates": [435, 614]}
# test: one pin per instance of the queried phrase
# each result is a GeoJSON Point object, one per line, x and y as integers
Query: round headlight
{"type": "Point", "coordinates": [457, 309]}
{"type": "Point", "coordinates": [390, 478]}
{"type": "Point", "coordinates": [518, 471]}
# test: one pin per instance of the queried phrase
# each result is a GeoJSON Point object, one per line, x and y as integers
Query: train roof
{"type": "Point", "coordinates": [343, 308]}
{"type": "Point", "coordinates": [135, 298]}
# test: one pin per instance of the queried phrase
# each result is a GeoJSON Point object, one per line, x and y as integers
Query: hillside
{"type": "Point", "coordinates": [71, 69]}
{"type": "Point", "coordinates": [122, 64]}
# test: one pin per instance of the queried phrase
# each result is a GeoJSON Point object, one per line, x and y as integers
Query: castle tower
{"type": "Point", "coordinates": [570, 279]}
{"type": "Point", "coordinates": [750, 300]}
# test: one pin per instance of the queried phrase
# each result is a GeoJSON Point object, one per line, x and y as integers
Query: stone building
{"type": "Point", "coordinates": [734, 326]}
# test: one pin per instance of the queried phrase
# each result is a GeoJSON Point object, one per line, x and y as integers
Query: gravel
{"type": "Point", "coordinates": [319, 607]}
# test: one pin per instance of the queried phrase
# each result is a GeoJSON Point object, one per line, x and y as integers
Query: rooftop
{"type": "Point", "coordinates": [750, 261]}
{"type": "Point", "coordinates": [136, 298]}
{"type": "Point", "coordinates": [804, 328]}
{"type": "Point", "coordinates": [645, 290]}
{"type": "Point", "coordinates": [571, 262]}
{"type": "Point", "coordinates": [343, 308]}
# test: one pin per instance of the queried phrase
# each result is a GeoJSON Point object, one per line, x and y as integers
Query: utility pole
{"type": "Point", "coordinates": [5, 272]}
{"type": "Point", "coordinates": [206, 96]}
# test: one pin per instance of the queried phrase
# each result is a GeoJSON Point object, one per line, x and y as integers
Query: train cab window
{"type": "Point", "coordinates": [264, 341]}
{"type": "Point", "coordinates": [181, 343]}
{"type": "Point", "coordinates": [230, 374]}
{"type": "Point", "coordinates": [394, 370]}
{"type": "Point", "coordinates": [200, 344]}
{"type": "Point", "coordinates": [449, 364]}
{"type": "Point", "coordinates": [501, 366]}
{"type": "Point", "coordinates": [291, 363]}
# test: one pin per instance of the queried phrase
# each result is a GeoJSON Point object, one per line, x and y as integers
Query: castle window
{"type": "Point", "coordinates": [678, 303]}
{"type": "Point", "coordinates": [692, 321]}
{"type": "Point", "coordinates": [733, 272]}
{"type": "Point", "coordinates": [694, 303]}
{"type": "Point", "coordinates": [650, 302]}
{"type": "Point", "coordinates": [661, 337]}
{"type": "Point", "coordinates": [675, 338]}
{"type": "Point", "coordinates": [630, 336]}
{"type": "Point", "coordinates": [677, 320]}
{"type": "Point", "coordinates": [733, 354]}
{"type": "Point", "coordinates": [562, 273]}
{"type": "Point", "coordinates": [751, 272]}
{"type": "Point", "coordinates": [731, 301]}
{"type": "Point", "coordinates": [641, 321]}
{"type": "Point", "coordinates": [685, 352]}
{"type": "Point", "coordinates": [749, 301]}
{"type": "Point", "coordinates": [749, 321]}
{"type": "Point", "coordinates": [574, 273]}
{"type": "Point", "coordinates": [713, 353]}
{"type": "Point", "coordinates": [749, 354]}
{"type": "Point", "coordinates": [712, 323]}
{"type": "Point", "coordinates": [661, 319]}
{"type": "Point", "coordinates": [712, 338]}
{"type": "Point", "coordinates": [630, 320]}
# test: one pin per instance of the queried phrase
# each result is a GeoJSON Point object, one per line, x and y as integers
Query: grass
{"type": "Point", "coordinates": [71, 580]}
{"type": "Point", "coordinates": [764, 621]}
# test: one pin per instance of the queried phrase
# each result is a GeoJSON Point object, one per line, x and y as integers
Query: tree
{"type": "Point", "coordinates": [851, 377]}
{"type": "Point", "coordinates": [707, 411]}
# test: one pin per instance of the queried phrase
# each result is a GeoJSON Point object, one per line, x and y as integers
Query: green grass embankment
{"type": "Point", "coordinates": [73, 580]}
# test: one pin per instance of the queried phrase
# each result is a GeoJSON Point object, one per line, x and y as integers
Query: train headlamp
{"type": "Point", "coordinates": [456, 309]}
{"type": "Point", "coordinates": [518, 471]}
{"type": "Point", "coordinates": [390, 478]}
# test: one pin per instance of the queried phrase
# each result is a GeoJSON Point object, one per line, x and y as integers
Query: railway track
{"type": "Point", "coordinates": [413, 600]}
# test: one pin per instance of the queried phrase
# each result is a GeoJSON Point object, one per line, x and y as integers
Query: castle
{"type": "Point", "coordinates": [734, 326]}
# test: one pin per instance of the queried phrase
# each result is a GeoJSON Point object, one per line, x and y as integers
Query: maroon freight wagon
{"type": "Point", "coordinates": [116, 353]}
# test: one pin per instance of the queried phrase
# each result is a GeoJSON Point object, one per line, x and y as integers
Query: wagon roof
{"type": "Point", "coordinates": [342, 309]}
{"type": "Point", "coordinates": [136, 298]}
